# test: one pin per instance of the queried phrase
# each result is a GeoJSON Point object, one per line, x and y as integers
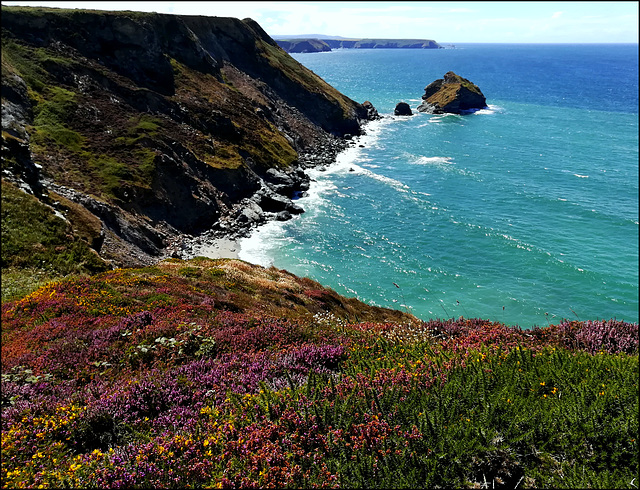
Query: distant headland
{"type": "Point", "coordinates": [317, 43]}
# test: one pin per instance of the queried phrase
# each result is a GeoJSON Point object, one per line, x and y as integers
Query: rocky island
{"type": "Point", "coordinates": [140, 130]}
{"type": "Point", "coordinates": [313, 45]}
{"type": "Point", "coordinates": [452, 94]}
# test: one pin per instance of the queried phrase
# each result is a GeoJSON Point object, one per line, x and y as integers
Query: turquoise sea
{"type": "Point", "coordinates": [525, 212]}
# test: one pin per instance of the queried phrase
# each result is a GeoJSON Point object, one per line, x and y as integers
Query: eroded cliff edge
{"type": "Point", "coordinates": [141, 128]}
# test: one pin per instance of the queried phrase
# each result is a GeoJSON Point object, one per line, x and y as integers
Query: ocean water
{"type": "Point", "coordinates": [525, 212]}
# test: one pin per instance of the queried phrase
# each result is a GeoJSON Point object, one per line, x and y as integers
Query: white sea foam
{"type": "Point", "coordinates": [438, 118]}
{"type": "Point", "coordinates": [262, 246]}
{"type": "Point", "coordinates": [490, 109]}
{"type": "Point", "coordinates": [396, 184]}
{"type": "Point", "coordinates": [581, 176]}
{"type": "Point", "coordinates": [422, 160]}
{"type": "Point", "coordinates": [444, 163]}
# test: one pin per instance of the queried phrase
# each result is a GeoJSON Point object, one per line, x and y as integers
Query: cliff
{"type": "Point", "coordinates": [303, 45]}
{"type": "Point", "coordinates": [139, 128]}
{"type": "Point", "coordinates": [308, 45]}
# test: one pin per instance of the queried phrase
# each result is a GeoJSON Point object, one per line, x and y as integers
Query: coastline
{"type": "Point", "coordinates": [222, 241]}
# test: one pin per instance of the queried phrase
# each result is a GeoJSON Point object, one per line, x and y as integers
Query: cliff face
{"type": "Point", "coordinates": [159, 125]}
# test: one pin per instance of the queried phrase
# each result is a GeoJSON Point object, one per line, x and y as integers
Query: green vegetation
{"type": "Point", "coordinates": [277, 149]}
{"type": "Point", "coordinates": [140, 127]}
{"type": "Point", "coordinates": [302, 75]}
{"type": "Point", "coordinates": [29, 62]}
{"type": "Point", "coordinates": [224, 156]}
{"type": "Point", "coordinates": [51, 116]}
{"type": "Point", "coordinates": [37, 245]}
{"type": "Point", "coordinates": [217, 373]}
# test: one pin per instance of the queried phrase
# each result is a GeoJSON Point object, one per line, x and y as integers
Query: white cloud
{"type": "Point", "coordinates": [457, 22]}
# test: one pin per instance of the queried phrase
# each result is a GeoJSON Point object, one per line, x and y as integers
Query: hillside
{"type": "Point", "coordinates": [218, 373]}
{"type": "Point", "coordinates": [139, 129]}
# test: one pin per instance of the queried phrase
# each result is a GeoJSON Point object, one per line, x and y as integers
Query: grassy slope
{"type": "Point", "coordinates": [38, 246]}
{"type": "Point", "coordinates": [217, 372]}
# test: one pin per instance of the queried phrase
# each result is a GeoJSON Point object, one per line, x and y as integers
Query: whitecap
{"type": "Point", "coordinates": [490, 109]}
{"type": "Point", "coordinates": [581, 176]}
{"type": "Point", "coordinates": [422, 160]}
{"type": "Point", "coordinates": [396, 184]}
{"type": "Point", "coordinates": [438, 118]}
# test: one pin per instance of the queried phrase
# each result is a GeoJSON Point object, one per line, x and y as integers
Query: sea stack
{"type": "Point", "coordinates": [402, 109]}
{"type": "Point", "coordinates": [452, 94]}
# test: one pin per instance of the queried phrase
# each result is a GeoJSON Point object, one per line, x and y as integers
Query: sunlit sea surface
{"type": "Point", "coordinates": [525, 212]}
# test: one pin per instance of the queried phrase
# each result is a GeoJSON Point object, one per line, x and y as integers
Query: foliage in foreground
{"type": "Point", "coordinates": [146, 379]}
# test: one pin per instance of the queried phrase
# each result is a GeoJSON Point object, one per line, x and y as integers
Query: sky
{"type": "Point", "coordinates": [444, 22]}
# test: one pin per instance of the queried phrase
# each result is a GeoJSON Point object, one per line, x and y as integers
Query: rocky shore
{"type": "Point", "coordinates": [274, 201]}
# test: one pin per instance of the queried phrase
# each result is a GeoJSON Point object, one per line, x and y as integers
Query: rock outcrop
{"type": "Point", "coordinates": [162, 126]}
{"type": "Point", "coordinates": [402, 109]}
{"type": "Point", "coordinates": [372, 112]}
{"type": "Point", "coordinates": [304, 45]}
{"type": "Point", "coordinates": [452, 94]}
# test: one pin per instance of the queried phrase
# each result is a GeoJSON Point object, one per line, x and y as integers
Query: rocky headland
{"type": "Point", "coordinates": [143, 131]}
{"type": "Point", "coordinates": [313, 45]}
{"type": "Point", "coordinates": [452, 94]}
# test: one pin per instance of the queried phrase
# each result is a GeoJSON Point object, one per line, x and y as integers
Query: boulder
{"type": "Point", "coordinates": [272, 202]}
{"type": "Point", "coordinates": [283, 216]}
{"type": "Point", "coordinates": [452, 94]}
{"type": "Point", "coordinates": [372, 112]}
{"type": "Point", "coordinates": [251, 213]}
{"type": "Point", "coordinates": [402, 109]}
